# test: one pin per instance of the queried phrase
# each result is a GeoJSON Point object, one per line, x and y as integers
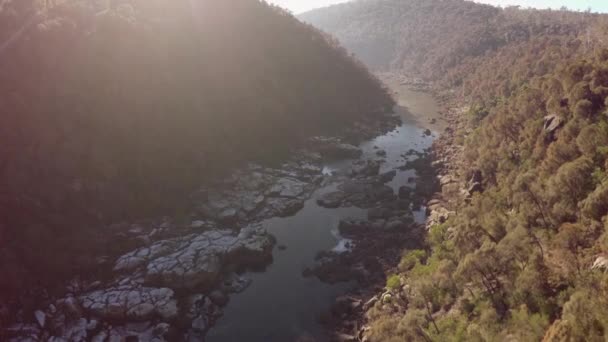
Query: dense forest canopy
{"type": "Point", "coordinates": [526, 258]}
{"type": "Point", "coordinates": [115, 109]}
{"type": "Point", "coordinates": [437, 36]}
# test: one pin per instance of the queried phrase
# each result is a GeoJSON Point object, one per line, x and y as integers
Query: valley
{"type": "Point", "coordinates": [372, 171]}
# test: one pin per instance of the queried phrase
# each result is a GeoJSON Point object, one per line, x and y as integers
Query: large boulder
{"type": "Point", "coordinates": [197, 259]}
{"type": "Point", "coordinates": [601, 263]}
{"type": "Point", "coordinates": [286, 187]}
{"type": "Point", "coordinates": [257, 193]}
{"type": "Point", "coordinates": [552, 123]}
{"type": "Point", "coordinates": [331, 199]}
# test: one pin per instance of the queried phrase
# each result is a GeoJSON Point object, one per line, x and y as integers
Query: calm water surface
{"type": "Point", "coordinates": [281, 305]}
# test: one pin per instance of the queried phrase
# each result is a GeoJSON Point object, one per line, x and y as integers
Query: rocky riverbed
{"type": "Point", "coordinates": [190, 280]}
{"type": "Point", "coordinates": [439, 187]}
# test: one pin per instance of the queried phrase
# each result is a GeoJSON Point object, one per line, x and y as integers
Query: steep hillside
{"type": "Point", "coordinates": [432, 38]}
{"type": "Point", "coordinates": [521, 253]}
{"type": "Point", "coordinates": [119, 110]}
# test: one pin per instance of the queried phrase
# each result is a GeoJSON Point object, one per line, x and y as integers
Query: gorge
{"type": "Point", "coordinates": [224, 171]}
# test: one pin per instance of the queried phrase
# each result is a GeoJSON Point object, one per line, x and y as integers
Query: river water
{"type": "Point", "coordinates": [281, 305]}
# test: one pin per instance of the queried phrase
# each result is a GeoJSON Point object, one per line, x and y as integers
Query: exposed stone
{"type": "Point", "coordinates": [102, 336]}
{"type": "Point", "coordinates": [228, 216]}
{"type": "Point", "coordinates": [331, 199]}
{"type": "Point", "coordinates": [196, 259]}
{"type": "Point", "coordinates": [475, 187]}
{"type": "Point", "coordinates": [235, 283]}
{"type": "Point", "coordinates": [133, 332]}
{"type": "Point", "coordinates": [476, 177]}
{"type": "Point", "coordinates": [601, 263]}
{"type": "Point", "coordinates": [26, 332]}
{"type": "Point", "coordinates": [70, 306]}
{"type": "Point", "coordinates": [552, 123]}
{"type": "Point", "coordinates": [286, 187]}
{"type": "Point", "coordinates": [445, 180]}
{"type": "Point", "coordinates": [438, 216]}
{"type": "Point", "coordinates": [341, 337]}
{"type": "Point", "coordinates": [282, 207]}
{"type": "Point", "coordinates": [40, 318]}
{"type": "Point", "coordinates": [197, 224]}
{"type": "Point", "coordinates": [130, 303]}
{"type": "Point", "coordinates": [370, 303]}
{"type": "Point", "coordinates": [255, 192]}
{"type": "Point", "coordinates": [386, 298]}
{"type": "Point", "coordinates": [75, 331]}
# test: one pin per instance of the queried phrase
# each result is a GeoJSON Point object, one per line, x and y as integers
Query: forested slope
{"type": "Point", "coordinates": [524, 258]}
{"type": "Point", "coordinates": [118, 109]}
{"type": "Point", "coordinates": [436, 37]}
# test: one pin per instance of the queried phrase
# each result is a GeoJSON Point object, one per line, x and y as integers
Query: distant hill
{"type": "Point", "coordinates": [436, 36]}
{"type": "Point", "coordinates": [525, 257]}
{"type": "Point", "coordinates": [117, 109]}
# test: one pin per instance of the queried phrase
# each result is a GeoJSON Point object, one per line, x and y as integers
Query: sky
{"type": "Point", "coordinates": [299, 6]}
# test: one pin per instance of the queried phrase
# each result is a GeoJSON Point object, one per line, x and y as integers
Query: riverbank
{"type": "Point", "coordinates": [322, 250]}
{"type": "Point", "coordinates": [292, 236]}
{"type": "Point", "coordinates": [442, 186]}
{"type": "Point", "coordinates": [174, 275]}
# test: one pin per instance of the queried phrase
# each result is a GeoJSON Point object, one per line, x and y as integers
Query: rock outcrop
{"type": "Point", "coordinates": [127, 302]}
{"type": "Point", "coordinates": [196, 260]}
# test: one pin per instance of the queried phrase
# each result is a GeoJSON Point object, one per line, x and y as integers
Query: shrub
{"type": "Point", "coordinates": [477, 113]}
{"type": "Point", "coordinates": [410, 259]}
{"type": "Point", "coordinates": [584, 109]}
{"type": "Point", "coordinates": [595, 206]}
{"type": "Point", "coordinates": [393, 282]}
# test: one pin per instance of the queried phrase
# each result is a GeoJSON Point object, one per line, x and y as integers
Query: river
{"type": "Point", "coordinates": [281, 304]}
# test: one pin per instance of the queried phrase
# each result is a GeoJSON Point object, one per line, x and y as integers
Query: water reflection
{"type": "Point", "coordinates": [281, 304]}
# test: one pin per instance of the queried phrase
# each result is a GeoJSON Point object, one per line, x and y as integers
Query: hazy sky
{"type": "Point", "coordinates": [298, 6]}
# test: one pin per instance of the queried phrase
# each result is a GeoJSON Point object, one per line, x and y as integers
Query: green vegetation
{"type": "Point", "coordinates": [393, 282]}
{"type": "Point", "coordinates": [119, 109]}
{"type": "Point", "coordinates": [524, 259]}
{"type": "Point", "coordinates": [411, 259]}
